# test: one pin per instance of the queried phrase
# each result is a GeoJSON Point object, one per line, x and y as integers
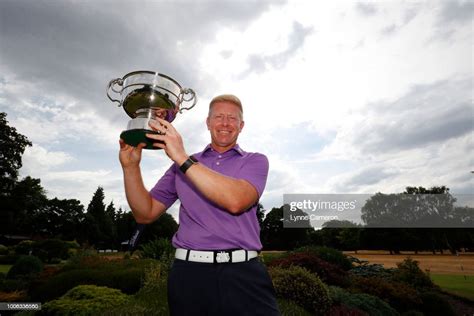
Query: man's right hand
{"type": "Point", "coordinates": [130, 156]}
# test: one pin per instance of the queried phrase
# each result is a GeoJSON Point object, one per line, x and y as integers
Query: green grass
{"type": "Point", "coordinates": [4, 268]}
{"type": "Point", "coordinates": [456, 284]}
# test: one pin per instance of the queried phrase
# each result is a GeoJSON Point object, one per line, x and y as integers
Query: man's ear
{"type": "Point", "coordinates": [207, 123]}
{"type": "Point", "coordinates": [242, 125]}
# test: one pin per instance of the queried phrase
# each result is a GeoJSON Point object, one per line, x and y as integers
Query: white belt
{"type": "Point", "coordinates": [218, 256]}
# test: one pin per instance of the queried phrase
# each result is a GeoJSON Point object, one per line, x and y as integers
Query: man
{"type": "Point", "coordinates": [216, 271]}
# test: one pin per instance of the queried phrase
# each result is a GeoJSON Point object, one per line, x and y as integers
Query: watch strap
{"type": "Point", "coordinates": [187, 164]}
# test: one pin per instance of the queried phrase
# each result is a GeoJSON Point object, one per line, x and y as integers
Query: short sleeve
{"type": "Point", "coordinates": [255, 171]}
{"type": "Point", "coordinates": [164, 190]}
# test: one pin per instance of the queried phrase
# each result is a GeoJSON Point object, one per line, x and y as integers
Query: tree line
{"type": "Point", "coordinates": [25, 210]}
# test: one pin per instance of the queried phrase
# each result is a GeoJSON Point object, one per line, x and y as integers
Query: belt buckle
{"type": "Point", "coordinates": [222, 257]}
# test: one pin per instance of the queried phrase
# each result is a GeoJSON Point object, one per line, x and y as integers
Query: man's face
{"type": "Point", "coordinates": [224, 123]}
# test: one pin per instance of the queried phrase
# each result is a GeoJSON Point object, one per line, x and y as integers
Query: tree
{"type": "Point", "coordinates": [12, 147]}
{"type": "Point", "coordinates": [61, 219]}
{"type": "Point", "coordinates": [276, 236]}
{"type": "Point", "coordinates": [20, 206]}
{"type": "Point", "coordinates": [99, 227]}
{"type": "Point", "coordinates": [260, 214]}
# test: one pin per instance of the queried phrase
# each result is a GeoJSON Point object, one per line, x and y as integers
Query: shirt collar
{"type": "Point", "coordinates": [236, 149]}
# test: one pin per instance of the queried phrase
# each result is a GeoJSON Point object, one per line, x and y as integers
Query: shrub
{"type": "Point", "coordinates": [365, 302]}
{"type": "Point", "coordinates": [3, 250]}
{"type": "Point", "coordinates": [26, 266]}
{"type": "Point", "coordinates": [330, 255]}
{"type": "Point", "coordinates": [50, 249]}
{"type": "Point", "coordinates": [327, 272]}
{"type": "Point", "coordinates": [155, 249]}
{"type": "Point", "coordinates": [125, 275]}
{"type": "Point", "coordinates": [25, 247]}
{"type": "Point", "coordinates": [152, 299]}
{"type": "Point", "coordinates": [11, 285]}
{"type": "Point", "coordinates": [399, 295]}
{"type": "Point", "coordinates": [289, 308]}
{"type": "Point", "coordinates": [302, 287]}
{"type": "Point", "coordinates": [435, 304]}
{"type": "Point", "coordinates": [343, 310]}
{"type": "Point", "coordinates": [85, 300]}
{"type": "Point", "coordinates": [372, 270]}
{"type": "Point", "coordinates": [410, 273]}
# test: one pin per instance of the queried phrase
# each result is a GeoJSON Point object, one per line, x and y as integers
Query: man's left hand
{"type": "Point", "coordinates": [172, 141]}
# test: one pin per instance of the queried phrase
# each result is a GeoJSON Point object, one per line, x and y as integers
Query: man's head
{"type": "Point", "coordinates": [225, 121]}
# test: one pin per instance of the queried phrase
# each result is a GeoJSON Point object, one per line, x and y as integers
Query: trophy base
{"type": "Point", "coordinates": [134, 137]}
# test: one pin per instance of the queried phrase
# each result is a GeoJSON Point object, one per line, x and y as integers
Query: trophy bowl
{"type": "Point", "coordinates": [146, 95]}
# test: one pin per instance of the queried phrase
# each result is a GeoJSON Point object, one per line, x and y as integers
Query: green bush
{"type": "Point", "coordinates": [329, 273]}
{"type": "Point", "coordinates": [328, 254]}
{"type": "Point", "coordinates": [155, 249]}
{"type": "Point", "coordinates": [25, 247]}
{"type": "Point", "coordinates": [289, 308]}
{"type": "Point", "coordinates": [152, 299]}
{"type": "Point", "coordinates": [410, 273]}
{"type": "Point", "coordinates": [399, 295]}
{"type": "Point", "coordinates": [85, 300]}
{"type": "Point", "coordinates": [26, 266]}
{"type": "Point", "coordinates": [365, 302]}
{"type": "Point", "coordinates": [10, 285]}
{"type": "Point", "coordinates": [372, 270]}
{"type": "Point", "coordinates": [435, 304]}
{"type": "Point", "coordinates": [302, 287]}
{"type": "Point", "coordinates": [3, 250]}
{"type": "Point", "coordinates": [125, 275]}
{"type": "Point", "coordinates": [51, 249]}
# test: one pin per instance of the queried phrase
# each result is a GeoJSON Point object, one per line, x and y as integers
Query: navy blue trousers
{"type": "Point", "coordinates": [243, 288]}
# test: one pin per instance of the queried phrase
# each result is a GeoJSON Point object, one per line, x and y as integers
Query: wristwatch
{"type": "Point", "coordinates": [187, 164]}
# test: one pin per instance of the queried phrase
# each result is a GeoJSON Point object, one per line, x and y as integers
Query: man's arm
{"type": "Point", "coordinates": [145, 209]}
{"type": "Point", "coordinates": [234, 195]}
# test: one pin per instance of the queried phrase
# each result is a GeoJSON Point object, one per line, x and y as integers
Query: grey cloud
{"type": "Point", "coordinates": [427, 114]}
{"type": "Point", "coordinates": [260, 63]}
{"type": "Point", "coordinates": [368, 176]}
{"type": "Point", "coordinates": [367, 9]}
{"type": "Point", "coordinates": [456, 11]}
{"type": "Point", "coordinates": [74, 48]}
{"type": "Point", "coordinates": [451, 15]}
{"type": "Point", "coordinates": [389, 30]}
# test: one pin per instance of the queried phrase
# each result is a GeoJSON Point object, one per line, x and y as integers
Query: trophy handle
{"type": "Point", "coordinates": [112, 83]}
{"type": "Point", "coordinates": [192, 97]}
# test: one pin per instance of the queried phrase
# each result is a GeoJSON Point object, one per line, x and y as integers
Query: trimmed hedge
{"type": "Point", "coordinates": [125, 275]}
{"type": "Point", "coordinates": [329, 273]}
{"type": "Point", "coordinates": [26, 267]}
{"type": "Point", "coordinates": [330, 255]}
{"type": "Point", "coordinates": [399, 295]}
{"type": "Point", "coordinates": [85, 300]}
{"type": "Point", "coordinates": [302, 287]}
{"type": "Point", "coordinates": [365, 302]}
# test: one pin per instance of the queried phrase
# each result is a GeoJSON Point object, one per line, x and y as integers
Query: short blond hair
{"type": "Point", "coordinates": [227, 98]}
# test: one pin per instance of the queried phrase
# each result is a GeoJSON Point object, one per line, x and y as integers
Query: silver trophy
{"type": "Point", "coordinates": [146, 95]}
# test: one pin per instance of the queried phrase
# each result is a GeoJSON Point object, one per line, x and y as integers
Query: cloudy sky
{"type": "Point", "coordinates": [342, 96]}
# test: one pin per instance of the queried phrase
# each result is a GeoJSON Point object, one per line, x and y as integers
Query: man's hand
{"type": "Point", "coordinates": [130, 156]}
{"type": "Point", "coordinates": [172, 141]}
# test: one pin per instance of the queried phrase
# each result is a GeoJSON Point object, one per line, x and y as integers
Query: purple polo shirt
{"type": "Point", "coordinates": [204, 225]}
